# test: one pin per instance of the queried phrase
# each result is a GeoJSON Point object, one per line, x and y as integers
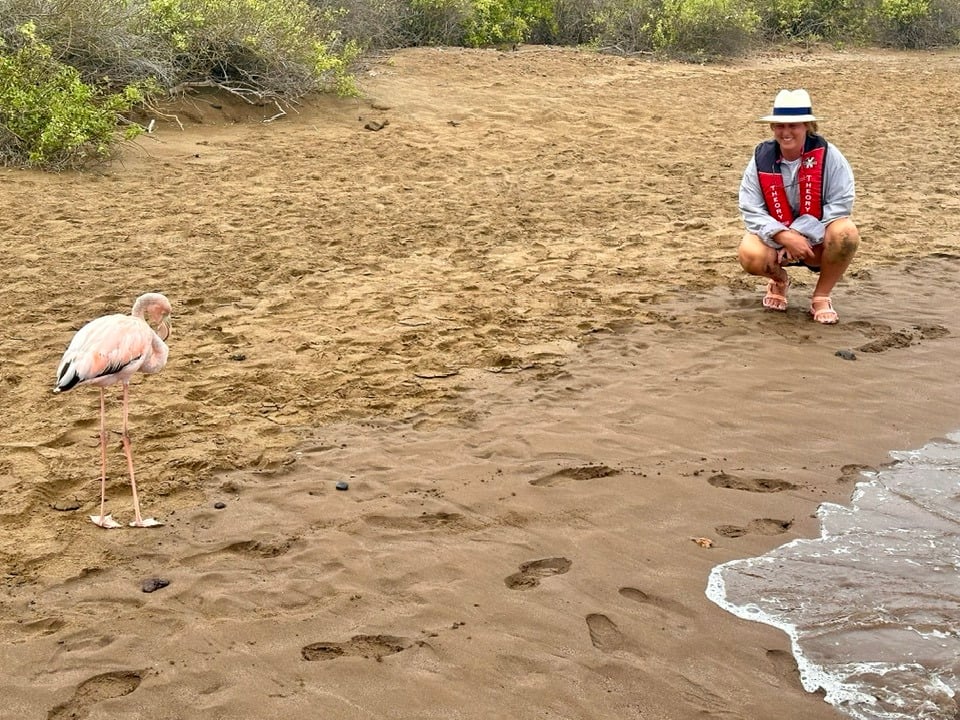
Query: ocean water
{"type": "Point", "coordinates": [872, 606]}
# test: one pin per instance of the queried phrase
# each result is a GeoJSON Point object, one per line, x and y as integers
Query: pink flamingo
{"type": "Point", "coordinates": [109, 350]}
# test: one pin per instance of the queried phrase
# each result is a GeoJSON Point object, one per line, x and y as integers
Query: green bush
{"type": "Point", "coordinates": [476, 23]}
{"type": "Point", "coordinates": [685, 29]}
{"type": "Point", "coordinates": [900, 18]}
{"type": "Point", "coordinates": [917, 23]}
{"type": "Point", "coordinates": [374, 23]}
{"type": "Point", "coordinates": [704, 29]}
{"type": "Point", "coordinates": [815, 21]}
{"type": "Point", "coordinates": [504, 22]}
{"type": "Point", "coordinates": [100, 38]}
{"type": "Point", "coordinates": [792, 19]}
{"type": "Point", "coordinates": [573, 22]}
{"type": "Point", "coordinates": [48, 116]}
{"type": "Point", "coordinates": [437, 22]}
{"type": "Point", "coordinates": [258, 49]}
{"type": "Point", "coordinates": [626, 26]}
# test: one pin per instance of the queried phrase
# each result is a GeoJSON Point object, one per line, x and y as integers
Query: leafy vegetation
{"type": "Point", "coordinates": [71, 71]}
{"type": "Point", "coordinates": [48, 116]}
{"type": "Point", "coordinates": [704, 29]}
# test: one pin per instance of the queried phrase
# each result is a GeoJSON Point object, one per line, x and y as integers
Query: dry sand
{"type": "Point", "coordinates": [513, 321]}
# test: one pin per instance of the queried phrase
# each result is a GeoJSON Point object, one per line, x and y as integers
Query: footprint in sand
{"type": "Point", "coordinates": [274, 547]}
{"type": "Point", "coordinates": [604, 633]}
{"type": "Point", "coordinates": [759, 526]}
{"type": "Point", "coordinates": [425, 521]}
{"type": "Point", "coordinates": [894, 339]}
{"type": "Point", "coordinates": [94, 690]}
{"type": "Point", "coordinates": [584, 472]}
{"type": "Point", "coordinates": [694, 694]}
{"type": "Point", "coordinates": [723, 480]}
{"type": "Point", "coordinates": [533, 571]}
{"type": "Point", "coordinates": [367, 646]}
{"type": "Point", "coordinates": [267, 548]}
{"type": "Point", "coordinates": [665, 604]}
{"type": "Point", "coordinates": [45, 625]}
{"type": "Point", "coordinates": [661, 613]}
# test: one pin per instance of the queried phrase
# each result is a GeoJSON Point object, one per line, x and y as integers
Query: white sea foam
{"type": "Point", "coordinates": [872, 606]}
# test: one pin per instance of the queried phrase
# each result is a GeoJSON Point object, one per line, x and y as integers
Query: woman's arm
{"type": "Point", "coordinates": [753, 208]}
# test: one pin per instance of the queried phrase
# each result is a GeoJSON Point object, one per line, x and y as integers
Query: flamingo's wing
{"type": "Point", "coordinates": [104, 351]}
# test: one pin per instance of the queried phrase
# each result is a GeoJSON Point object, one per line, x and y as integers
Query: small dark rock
{"type": "Point", "coordinates": [846, 354]}
{"type": "Point", "coordinates": [220, 505]}
{"type": "Point", "coordinates": [343, 485]}
{"type": "Point", "coordinates": [152, 584]}
{"type": "Point", "coordinates": [66, 504]}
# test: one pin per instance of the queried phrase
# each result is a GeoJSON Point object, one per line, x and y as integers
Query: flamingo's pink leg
{"type": "Point", "coordinates": [138, 520]}
{"type": "Point", "coordinates": [104, 521]}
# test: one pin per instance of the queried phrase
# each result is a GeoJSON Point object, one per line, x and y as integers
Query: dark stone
{"type": "Point", "coordinates": [152, 584]}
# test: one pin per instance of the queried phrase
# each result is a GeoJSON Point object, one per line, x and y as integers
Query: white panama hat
{"type": "Point", "coordinates": [791, 106]}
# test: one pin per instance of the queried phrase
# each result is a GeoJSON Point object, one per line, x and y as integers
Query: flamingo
{"type": "Point", "coordinates": [110, 350]}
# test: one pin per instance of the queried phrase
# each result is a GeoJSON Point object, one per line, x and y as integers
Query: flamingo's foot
{"type": "Point", "coordinates": [105, 521]}
{"type": "Point", "coordinates": [146, 522]}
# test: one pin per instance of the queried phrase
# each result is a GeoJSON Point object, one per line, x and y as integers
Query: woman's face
{"type": "Point", "coordinates": [790, 137]}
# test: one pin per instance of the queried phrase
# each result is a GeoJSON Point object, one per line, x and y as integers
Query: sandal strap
{"type": "Point", "coordinates": [825, 313]}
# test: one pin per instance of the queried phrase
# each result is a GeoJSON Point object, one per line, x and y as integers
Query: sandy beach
{"type": "Point", "coordinates": [498, 297]}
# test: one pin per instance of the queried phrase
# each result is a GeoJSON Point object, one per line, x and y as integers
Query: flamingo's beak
{"type": "Point", "coordinates": [163, 330]}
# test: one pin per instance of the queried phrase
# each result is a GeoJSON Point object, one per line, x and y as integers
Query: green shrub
{"type": "Point", "coordinates": [48, 116]}
{"type": "Point", "coordinates": [899, 19]}
{"type": "Point", "coordinates": [704, 29]}
{"type": "Point", "coordinates": [573, 22]}
{"type": "Point", "coordinates": [626, 26]}
{"type": "Point", "coordinates": [917, 23]}
{"type": "Point", "coordinates": [504, 22]}
{"type": "Point", "coordinates": [843, 21]}
{"type": "Point", "coordinates": [373, 23]}
{"type": "Point", "coordinates": [437, 22]}
{"type": "Point", "coordinates": [477, 23]}
{"type": "Point", "coordinates": [542, 20]}
{"type": "Point", "coordinates": [258, 49]}
{"type": "Point", "coordinates": [792, 19]}
{"type": "Point", "coordinates": [100, 38]}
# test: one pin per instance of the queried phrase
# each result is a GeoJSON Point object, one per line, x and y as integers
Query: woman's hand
{"type": "Point", "coordinates": [797, 246]}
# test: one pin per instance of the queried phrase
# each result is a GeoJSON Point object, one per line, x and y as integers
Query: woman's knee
{"type": "Point", "coordinates": [753, 254]}
{"type": "Point", "coordinates": [842, 236]}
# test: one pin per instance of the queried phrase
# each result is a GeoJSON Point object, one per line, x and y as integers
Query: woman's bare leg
{"type": "Point", "coordinates": [762, 260]}
{"type": "Point", "coordinates": [759, 259]}
{"type": "Point", "coordinates": [839, 246]}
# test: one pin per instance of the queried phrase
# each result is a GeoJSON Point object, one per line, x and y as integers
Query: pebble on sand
{"type": "Point", "coordinates": [152, 584]}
